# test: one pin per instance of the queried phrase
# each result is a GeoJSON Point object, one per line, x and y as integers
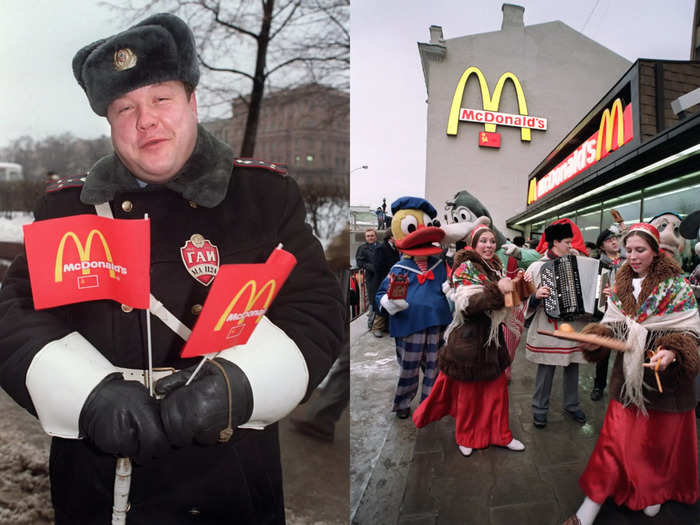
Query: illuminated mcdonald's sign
{"type": "Point", "coordinates": [607, 121]}
{"type": "Point", "coordinates": [615, 123]}
{"type": "Point", "coordinates": [85, 264]}
{"type": "Point", "coordinates": [253, 297]}
{"type": "Point", "coordinates": [489, 115]}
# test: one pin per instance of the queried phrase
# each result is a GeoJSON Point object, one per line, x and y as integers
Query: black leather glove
{"type": "Point", "coordinates": [119, 417]}
{"type": "Point", "coordinates": [197, 413]}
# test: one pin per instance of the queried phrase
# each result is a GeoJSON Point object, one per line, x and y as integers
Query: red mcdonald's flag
{"type": "Point", "coordinates": [86, 258]}
{"type": "Point", "coordinates": [240, 296]}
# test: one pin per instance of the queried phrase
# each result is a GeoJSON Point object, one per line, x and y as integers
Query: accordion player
{"type": "Point", "coordinates": [575, 286]}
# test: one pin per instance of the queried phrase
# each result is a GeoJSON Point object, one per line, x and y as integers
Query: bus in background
{"type": "Point", "coordinates": [10, 171]}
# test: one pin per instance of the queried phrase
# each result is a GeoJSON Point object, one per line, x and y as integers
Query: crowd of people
{"type": "Point", "coordinates": [454, 319]}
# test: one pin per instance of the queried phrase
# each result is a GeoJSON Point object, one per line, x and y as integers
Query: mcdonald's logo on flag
{"type": "Point", "coordinates": [240, 296]}
{"type": "Point", "coordinates": [88, 258]}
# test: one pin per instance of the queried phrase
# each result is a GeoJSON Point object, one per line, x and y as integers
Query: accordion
{"type": "Point", "coordinates": [574, 286]}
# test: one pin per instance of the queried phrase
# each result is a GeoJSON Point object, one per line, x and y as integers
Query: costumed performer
{"type": "Point", "coordinates": [418, 320]}
{"type": "Point", "coordinates": [471, 384]}
{"type": "Point", "coordinates": [646, 453]}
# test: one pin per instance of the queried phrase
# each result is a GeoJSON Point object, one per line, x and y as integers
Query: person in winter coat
{"type": "Point", "coordinates": [80, 367]}
{"type": "Point", "coordinates": [471, 385]}
{"type": "Point", "coordinates": [364, 258]}
{"type": "Point", "coordinates": [385, 256]}
{"type": "Point", "coordinates": [646, 453]}
{"type": "Point", "coordinates": [611, 259]}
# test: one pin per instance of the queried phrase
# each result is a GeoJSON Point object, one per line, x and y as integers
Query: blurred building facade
{"type": "Point", "coordinates": [306, 127]}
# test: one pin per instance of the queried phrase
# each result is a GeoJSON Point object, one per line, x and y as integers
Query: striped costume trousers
{"type": "Point", "coordinates": [416, 352]}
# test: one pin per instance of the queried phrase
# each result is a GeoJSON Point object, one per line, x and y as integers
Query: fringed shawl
{"type": "Point", "coordinates": [665, 305]}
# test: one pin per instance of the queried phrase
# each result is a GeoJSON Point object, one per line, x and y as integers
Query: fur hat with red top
{"type": "Point", "coordinates": [562, 229]}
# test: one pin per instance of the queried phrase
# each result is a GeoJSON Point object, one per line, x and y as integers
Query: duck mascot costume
{"type": "Point", "coordinates": [412, 294]}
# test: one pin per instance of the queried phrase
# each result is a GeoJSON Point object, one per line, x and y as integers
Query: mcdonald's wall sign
{"type": "Point", "coordinates": [489, 115]}
{"type": "Point", "coordinates": [615, 130]}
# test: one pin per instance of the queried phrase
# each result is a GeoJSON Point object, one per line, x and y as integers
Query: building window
{"type": "Point", "coordinates": [588, 221]}
{"type": "Point", "coordinates": [628, 206]}
{"type": "Point", "coordinates": [309, 159]}
{"type": "Point", "coordinates": [297, 160]}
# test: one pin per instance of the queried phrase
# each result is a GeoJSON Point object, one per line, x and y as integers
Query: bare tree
{"type": "Point", "coordinates": [248, 45]}
{"type": "Point", "coordinates": [326, 206]}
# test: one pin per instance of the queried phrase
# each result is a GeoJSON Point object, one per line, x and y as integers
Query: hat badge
{"type": "Point", "coordinates": [124, 59]}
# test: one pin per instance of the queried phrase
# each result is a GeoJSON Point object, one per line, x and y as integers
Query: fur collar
{"type": "Point", "coordinates": [468, 254]}
{"type": "Point", "coordinates": [203, 179]}
{"type": "Point", "coordinates": [662, 267]}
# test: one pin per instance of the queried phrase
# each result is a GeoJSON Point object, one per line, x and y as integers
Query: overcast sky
{"type": "Point", "coordinates": [388, 110]}
{"type": "Point", "coordinates": [38, 39]}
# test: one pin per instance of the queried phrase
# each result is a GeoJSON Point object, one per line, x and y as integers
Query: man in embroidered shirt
{"type": "Point", "coordinates": [548, 351]}
{"type": "Point", "coordinates": [67, 364]}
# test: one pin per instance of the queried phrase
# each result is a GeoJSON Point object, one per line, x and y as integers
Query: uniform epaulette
{"type": "Point", "coordinates": [76, 181]}
{"type": "Point", "coordinates": [254, 163]}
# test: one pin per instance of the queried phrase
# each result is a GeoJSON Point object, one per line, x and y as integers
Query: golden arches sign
{"type": "Point", "coordinates": [252, 298]}
{"type": "Point", "coordinates": [606, 125]}
{"type": "Point", "coordinates": [490, 103]}
{"type": "Point", "coordinates": [532, 191]}
{"type": "Point", "coordinates": [83, 252]}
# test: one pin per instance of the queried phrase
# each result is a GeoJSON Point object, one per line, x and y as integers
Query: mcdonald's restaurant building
{"type": "Point", "coordinates": [515, 118]}
{"type": "Point", "coordinates": [637, 151]}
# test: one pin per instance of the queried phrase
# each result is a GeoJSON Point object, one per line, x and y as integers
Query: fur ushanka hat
{"type": "Point", "coordinates": [158, 49]}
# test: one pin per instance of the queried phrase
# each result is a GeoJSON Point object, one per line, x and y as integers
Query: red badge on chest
{"type": "Point", "coordinates": [201, 258]}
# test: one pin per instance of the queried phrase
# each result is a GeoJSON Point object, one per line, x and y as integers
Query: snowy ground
{"type": "Point", "coordinates": [11, 225]}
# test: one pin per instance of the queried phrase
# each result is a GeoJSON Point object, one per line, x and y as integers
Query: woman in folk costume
{"type": "Point", "coordinates": [646, 453]}
{"type": "Point", "coordinates": [471, 384]}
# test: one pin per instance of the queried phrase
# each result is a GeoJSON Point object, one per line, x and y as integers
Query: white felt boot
{"type": "Point", "coordinates": [465, 451]}
{"type": "Point", "coordinates": [588, 511]}
{"type": "Point", "coordinates": [515, 445]}
{"type": "Point", "coordinates": [652, 510]}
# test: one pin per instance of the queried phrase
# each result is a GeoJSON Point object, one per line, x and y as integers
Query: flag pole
{"type": "Point", "coordinates": [122, 474]}
{"type": "Point", "coordinates": [148, 339]}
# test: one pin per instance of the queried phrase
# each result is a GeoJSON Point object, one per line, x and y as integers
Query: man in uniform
{"type": "Point", "coordinates": [79, 367]}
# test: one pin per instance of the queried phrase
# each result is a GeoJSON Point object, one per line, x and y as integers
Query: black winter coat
{"type": "Point", "coordinates": [246, 212]}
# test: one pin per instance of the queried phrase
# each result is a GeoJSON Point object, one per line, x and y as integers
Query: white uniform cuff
{"type": "Point", "coordinates": [276, 371]}
{"type": "Point", "coordinates": [59, 380]}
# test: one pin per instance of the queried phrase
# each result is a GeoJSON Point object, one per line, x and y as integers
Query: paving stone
{"type": "Point", "coordinates": [496, 486]}
{"type": "Point", "coordinates": [534, 513]}
{"type": "Point", "coordinates": [418, 520]}
{"type": "Point", "coordinates": [417, 498]}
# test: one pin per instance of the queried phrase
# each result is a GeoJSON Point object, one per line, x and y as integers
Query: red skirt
{"type": "Point", "coordinates": [640, 461]}
{"type": "Point", "coordinates": [480, 409]}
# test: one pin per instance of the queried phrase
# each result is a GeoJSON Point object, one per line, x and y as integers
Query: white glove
{"type": "Point", "coordinates": [511, 249]}
{"type": "Point", "coordinates": [448, 290]}
{"type": "Point", "coordinates": [393, 306]}
{"type": "Point", "coordinates": [459, 230]}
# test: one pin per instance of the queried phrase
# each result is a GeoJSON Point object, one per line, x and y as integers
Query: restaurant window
{"type": "Point", "coordinates": [588, 221]}
{"type": "Point", "coordinates": [683, 200]}
{"type": "Point", "coordinates": [628, 206]}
